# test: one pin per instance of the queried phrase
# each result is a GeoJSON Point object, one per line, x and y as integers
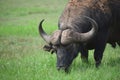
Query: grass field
{"type": "Point", "coordinates": [21, 53]}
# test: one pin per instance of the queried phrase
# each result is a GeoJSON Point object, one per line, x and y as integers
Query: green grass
{"type": "Point", "coordinates": [21, 53]}
{"type": "Point", "coordinates": [22, 17]}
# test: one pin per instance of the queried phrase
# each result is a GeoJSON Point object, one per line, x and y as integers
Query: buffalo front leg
{"type": "Point", "coordinates": [99, 49]}
{"type": "Point", "coordinates": [84, 54]}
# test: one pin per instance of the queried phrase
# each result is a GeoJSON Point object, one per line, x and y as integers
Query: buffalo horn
{"type": "Point", "coordinates": [69, 36]}
{"type": "Point", "coordinates": [43, 33]}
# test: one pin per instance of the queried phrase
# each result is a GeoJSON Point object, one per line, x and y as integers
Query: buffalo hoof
{"type": "Point", "coordinates": [97, 64]}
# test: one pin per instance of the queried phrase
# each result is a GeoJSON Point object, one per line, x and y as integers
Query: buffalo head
{"type": "Point", "coordinates": [65, 43]}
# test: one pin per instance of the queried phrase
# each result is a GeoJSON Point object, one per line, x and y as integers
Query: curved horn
{"type": "Point", "coordinates": [43, 33]}
{"type": "Point", "coordinates": [83, 37]}
{"type": "Point", "coordinates": [69, 36]}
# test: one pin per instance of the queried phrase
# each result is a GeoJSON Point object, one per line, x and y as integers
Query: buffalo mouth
{"type": "Point", "coordinates": [66, 68]}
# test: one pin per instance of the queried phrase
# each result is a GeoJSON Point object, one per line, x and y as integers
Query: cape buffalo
{"type": "Point", "coordinates": [84, 25]}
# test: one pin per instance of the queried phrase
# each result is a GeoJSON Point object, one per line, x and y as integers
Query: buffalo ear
{"type": "Point", "coordinates": [53, 51]}
{"type": "Point", "coordinates": [47, 48]}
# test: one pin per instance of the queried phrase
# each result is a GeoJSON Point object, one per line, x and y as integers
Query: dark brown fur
{"type": "Point", "coordinates": [106, 13]}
